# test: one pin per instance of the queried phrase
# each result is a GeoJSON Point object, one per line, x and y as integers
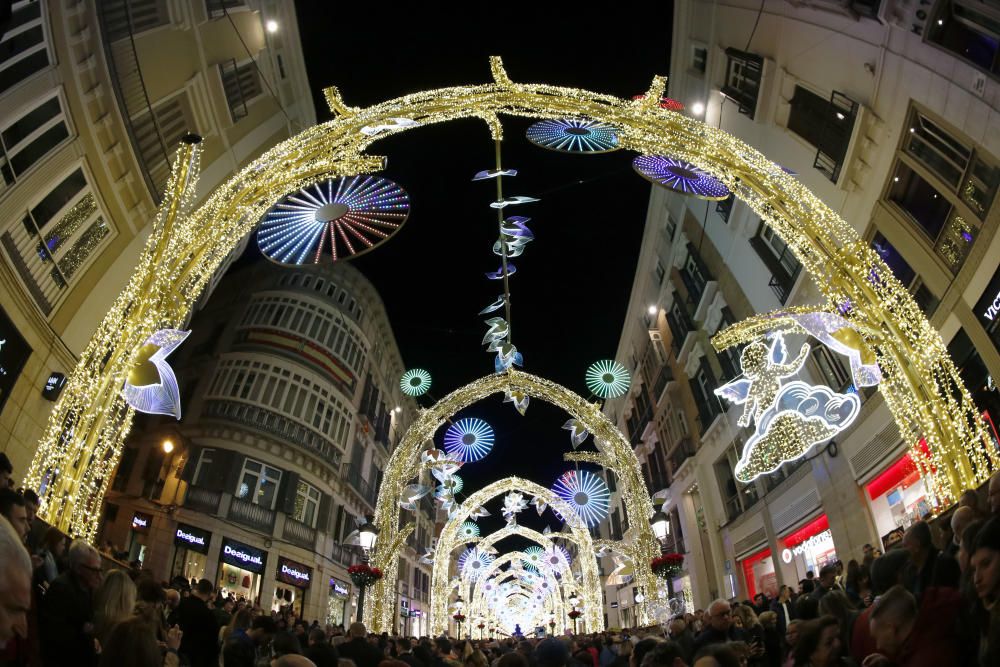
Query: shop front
{"type": "Point", "coordinates": [292, 581]}
{"type": "Point", "coordinates": [241, 568]}
{"type": "Point", "coordinates": [759, 574]}
{"type": "Point", "coordinates": [336, 609]}
{"type": "Point", "coordinates": [190, 552]}
{"type": "Point", "coordinates": [138, 534]}
{"type": "Point", "coordinates": [897, 497]}
{"type": "Point", "coordinates": [809, 548]}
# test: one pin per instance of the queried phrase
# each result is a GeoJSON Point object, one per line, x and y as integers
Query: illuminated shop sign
{"type": "Point", "coordinates": [243, 556]}
{"type": "Point", "coordinates": [141, 522]}
{"type": "Point", "coordinates": [295, 574]}
{"type": "Point", "coordinates": [14, 353]}
{"type": "Point", "coordinates": [339, 587]}
{"type": "Point", "coordinates": [53, 386]}
{"type": "Point", "coordinates": [988, 306]}
{"type": "Point", "coordinates": [190, 537]}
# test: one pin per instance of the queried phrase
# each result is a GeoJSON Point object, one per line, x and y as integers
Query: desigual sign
{"type": "Point", "coordinates": [141, 522]}
{"type": "Point", "coordinates": [988, 306]}
{"type": "Point", "coordinates": [295, 574]}
{"type": "Point", "coordinates": [339, 587]}
{"type": "Point", "coordinates": [191, 537]}
{"type": "Point", "coordinates": [243, 556]}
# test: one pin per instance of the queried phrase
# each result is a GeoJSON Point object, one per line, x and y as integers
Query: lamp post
{"type": "Point", "coordinates": [660, 523]}
{"type": "Point", "coordinates": [552, 625]}
{"type": "Point", "coordinates": [459, 605]}
{"type": "Point", "coordinates": [367, 534]}
{"type": "Point", "coordinates": [574, 600]}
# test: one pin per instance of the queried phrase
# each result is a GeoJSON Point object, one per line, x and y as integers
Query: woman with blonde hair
{"type": "Point", "coordinates": [114, 602]}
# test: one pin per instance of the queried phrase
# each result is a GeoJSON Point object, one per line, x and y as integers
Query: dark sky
{"type": "Point", "coordinates": [571, 290]}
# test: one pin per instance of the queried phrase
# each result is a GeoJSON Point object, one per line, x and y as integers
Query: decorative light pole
{"type": "Point", "coordinates": [364, 575]}
{"type": "Point", "coordinates": [575, 613]}
{"type": "Point", "coordinates": [458, 615]}
{"type": "Point", "coordinates": [660, 523]}
{"type": "Point", "coordinates": [552, 625]}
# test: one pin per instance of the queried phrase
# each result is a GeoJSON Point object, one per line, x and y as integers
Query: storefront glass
{"type": "Point", "coordinates": [809, 548]}
{"type": "Point", "coordinates": [758, 572]}
{"type": "Point", "coordinates": [897, 496]}
{"type": "Point", "coordinates": [141, 524]}
{"type": "Point", "coordinates": [240, 569]}
{"type": "Point", "coordinates": [293, 582]}
{"type": "Point", "coordinates": [336, 610]}
{"type": "Point", "coordinates": [190, 549]}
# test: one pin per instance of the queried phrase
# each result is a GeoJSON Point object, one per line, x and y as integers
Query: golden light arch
{"type": "Point", "coordinates": [449, 539]}
{"type": "Point", "coordinates": [85, 434]}
{"type": "Point", "coordinates": [476, 598]}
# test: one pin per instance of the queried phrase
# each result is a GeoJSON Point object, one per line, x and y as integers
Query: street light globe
{"type": "Point", "coordinates": [652, 310]}
{"type": "Point", "coordinates": [639, 598]}
{"type": "Point", "coordinates": [459, 603]}
{"type": "Point", "coordinates": [697, 108]}
{"type": "Point", "coordinates": [574, 600]}
{"type": "Point", "coordinates": [660, 523]}
{"type": "Point", "coordinates": [168, 446]}
{"type": "Point", "coordinates": [271, 25]}
{"type": "Point", "coordinates": [367, 534]}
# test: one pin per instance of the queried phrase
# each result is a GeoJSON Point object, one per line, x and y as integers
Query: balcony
{"type": "Point", "coordinates": [664, 377]}
{"type": "Point", "coordinates": [274, 424]}
{"type": "Point", "coordinates": [251, 516]}
{"type": "Point", "coordinates": [684, 450]}
{"type": "Point", "coordinates": [202, 500]}
{"type": "Point", "coordinates": [637, 423]}
{"type": "Point", "coordinates": [343, 554]}
{"type": "Point", "coordinates": [299, 533]}
{"type": "Point", "coordinates": [363, 487]}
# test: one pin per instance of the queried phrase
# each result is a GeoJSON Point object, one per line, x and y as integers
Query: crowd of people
{"type": "Point", "coordinates": [930, 601]}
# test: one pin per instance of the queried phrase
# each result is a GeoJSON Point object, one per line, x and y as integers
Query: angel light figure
{"type": "Point", "coordinates": [764, 368]}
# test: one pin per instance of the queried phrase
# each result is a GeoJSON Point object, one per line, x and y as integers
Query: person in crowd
{"type": "Point", "coordinates": [404, 651]}
{"type": "Point", "coordinates": [970, 499]}
{"type": "Point", "coordinates": [240, 649]}
{"type": "Point", "coordinates": [819, 644]}
{"type": "Point", "coordinates": [132, 643]}
{"type": "Point", "coordinates": [641, 648]}
{"type": "Point", "coordinates": [965, 549]}
{"type": "Point", "coordinates": [114, 601]}
{"type": "Point", "coordinates": [837, 604]}
{"type": "Point", "coordinates": [285, 643]}
{"type": "Point", "coordinates": [66, 613]}
{"type": "Point", "coordinates": [993, 495]}
{"type": "Point", "coordinates": [15, 585]}
{"type": "Point", "coordinates": [868, 555]}
{"type": "Point", "coordinates": [625, 651]}
{"type": "Point", "coordinates": [716, 655]}
{"type": "Point", "coordinates": [223, 611]}
{"type": "Point", "coordinates": [928, 566]}
{"type": "Point", "coordinates": [150, 599]}
{"type": "Point", "coordinates": [6, 471]}
{"type": "Point", "coordinates": [791, 639]}
{"type": "Point", "coordinates": [772, 640]}
{"type": "Point", "coordinates": [52, 550]}
{"type": "Point", "coordinates": [784, 608]}
{"type": "Point", "coordinates": [664, 654]}
{"type": "Point", "coordinates": [887, 571]}
{"type": "Point", "coordinates": [200, 646]}
{"type": "Point", "coordinates": [753, 632]}
{"type": "Point", "coordinates": [720, 627]}
{"type": "Point", "coordinates": [359, 650]}
{"type": "Point", "coordinates": [851, 582]}
{"type": "Point", "coordinates": [826, 582]}
{"type": "Point", "coordinates": [806, 586]}
{"type": "Point", "coordinates": [681, 635]}
{"type": "Point", "coordinates": [293, 660]}
{"type": "Point", "coordinates": [760, 603]}
{"type": "Point", "coordinates": [806, 608]}
{"type": "Point", "coordinates": [960, 519]}
{"type": "Point", "coordinates": [551, 652]}
{"type": "Point", "coordinates": [471, 657]}
{"type": "Point", "coordinates": [12, 508]}
{"type": "Point", "coordinates": [908, 634]}
{"type": "Point", "coordinates": [985, 564]}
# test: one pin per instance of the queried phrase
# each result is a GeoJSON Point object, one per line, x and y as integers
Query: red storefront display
{"type": "Point", "coordinates": [809, 547]}
{"type": "Point", "coordinates": [758, 572]}
{"type": "Point", "coordinates": [897, 496]}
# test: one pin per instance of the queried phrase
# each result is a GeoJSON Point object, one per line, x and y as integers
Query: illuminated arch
{"type": "Point", "coordinates": [85, 434]}
{"type": "Point", "coordinates": [511, 557]}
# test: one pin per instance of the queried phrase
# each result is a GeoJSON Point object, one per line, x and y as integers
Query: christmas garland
{"type": "Point", "coordinates": [363, 574]}
{"type": "Point", "coordinates": [667, 566]}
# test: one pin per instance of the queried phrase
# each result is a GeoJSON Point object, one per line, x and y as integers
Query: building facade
{"type": "Point", "coordinates": [889, 113]}
{"type": "Point", "coordinates": [94, 98]}
{"type": "Point", "coordinates": [292, 406]}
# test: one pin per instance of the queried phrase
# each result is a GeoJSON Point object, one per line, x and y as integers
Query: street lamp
{"type": "Point", "coordinates": [367, 534]}
{"type": "Point", "coordinates": [660, 523]}
{"type": "Point", "coordinates": [168, 446]}
{"type": "Point", "coordinates": [640, 598]}
{"type": "Point", "coordinates": [459, 605]}
{"type": "Point", "coordinates": [574, 600]}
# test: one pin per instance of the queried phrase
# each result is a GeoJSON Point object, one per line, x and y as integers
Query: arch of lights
{"type": "Point", "coordinates": [551, 601]}
{"type": "Point", "coordinates": [450, 538]}
{"type": "Point", "coordinates": [84, 438]}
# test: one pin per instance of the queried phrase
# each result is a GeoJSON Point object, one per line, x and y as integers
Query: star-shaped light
{"type": "Point", "coordinates": [577, 432]}
{"type": "Point", "coordinates": [151, 386]}
{"type": "Point", "coordinates": [518, 398]}
{"type": "Point", "coordinates": [513, 504]}
{"type": "Point", "coordinates": [540, 505]}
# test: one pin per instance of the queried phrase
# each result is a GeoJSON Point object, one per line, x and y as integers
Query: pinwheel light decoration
{"type": "Point", "coordinates": [586, 493]}
{"type": "Point", "coordinates": [680, 176]}
{"type": "Point", "coordinates": [469, 439]}
{"type": "Point", "coordinates": [333, 219]}
{"type": "Point", "coordinates": [607, 379]}
{"type": "Point", "coordinates": [449, 486]}
{"type": "Point", "coordinates": [533, 557]}
{"type": "Point", "coordinates": [473, 563]}
{"type": "Point", "coordinates": [468, 530]}
{"type": "Point", "coordinates": [415, 382]}
{"type": "Point", "coordinates": [557, 558]}
{"type": "Point", "coordinates": [574, 135]}
{"type": "Point", "coordinates": [151, 385]}
{"type": "Point", "coordinates": [411, 494]}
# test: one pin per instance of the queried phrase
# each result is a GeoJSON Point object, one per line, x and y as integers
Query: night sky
{"type": "Point", "coordinates": [571, 290]}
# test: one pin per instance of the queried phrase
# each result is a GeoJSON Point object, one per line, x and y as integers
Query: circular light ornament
{"type": "Point", "coordinates": [333, 219]}
{"type": "Point", "coordinates": [468, 439]}
{"type": "Point", "coordinates": [533, 557]}
{"type": "Point", "coordinates": [557, 558]}
{"type": "Point", "coordinates": [607, 379]}
{"type": "Point", "coordinates": [468, 530]}
{"type": "Point", "coordinates": [450, 486]}
{"type": "Point", "coordinates": [586, 493]}
{"type": "Point", "coordinates": [473, 563]}
{"type": "Point", "coordinates": [680, 176]}
{"type": "Point", "coordinates": [415, 382]}
{"type": "Point", "coordinates": [574, 135]}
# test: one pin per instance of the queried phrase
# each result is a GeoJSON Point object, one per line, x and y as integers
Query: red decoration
{"type": "Point", "coordinates": [665, 103]}
{"type": "Point", "coordinates": [363, 574]}
{"type": "Point", "coordinates": [481, 626]}
{"type": "Point", "coordinates": [459, 617]}
{"type": "Point", "coordinates": [667, 566]}
{"type": "Point", "coordinates": [575, 614]}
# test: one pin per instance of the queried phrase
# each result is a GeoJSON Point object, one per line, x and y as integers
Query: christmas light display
{"type": "Point", "coordinates": [586, 493]}
{"type": "Point", "coordinates": [151, 386]}
{"type": "Point", "coordinates": [493, 173]}
{"type": "Point", "coordinates": [667, 103]}
{"type": "Point", "coordinates": [473, 563]}
{"type": "Point", "coordinates": [332, 220]}
{"type": "Point", "coordinates": [680, 176]}
{"type": "Point", "coordinates": [469, 439]}
{"type": "Point", "coordinates": [764, 367]}
{"type": "Point", "coordinates": [469, 530]}
{"type": "Point", "coordinates": [415, 382]}
{"type": "Point", "coordinates": [577, 432]}
{"type": "Point", "coordinates": [607, 379]}
{"type": "Point", "coordinates": [571, 135]}
{"type": "Point", "coordinates": [450, 485]}
{"type": "Point", "coordinates": [533, 557]}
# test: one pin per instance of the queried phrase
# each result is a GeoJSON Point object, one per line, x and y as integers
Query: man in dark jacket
{"type": "Point", "coordinates": [358, 649]}
{"type": "Point", "coordinates": [240, 649]}
{"type": "Point", "coordinates": [66, 613]}
{"type": "Point", "coordinates": [319, 650]}
{"type": "Point", "coordinates": [200, 644]}
{"type": "Point", "coordinates": [404, 651]}
{"type": "Point", "coordinates": [719, 628]}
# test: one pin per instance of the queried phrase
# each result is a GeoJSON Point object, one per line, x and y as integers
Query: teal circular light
{"type": "Point", "coordinates": [607, 379]}
{"type": "Point", "coordinates": [468, 530]}
{"type": "Point", "coordinates": [415, 382]}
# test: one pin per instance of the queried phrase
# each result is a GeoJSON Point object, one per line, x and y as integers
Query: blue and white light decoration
{"type": "Point", "coordinates": [680, 176]}
{"type": "Point", "coordinates": [468, 530]}
{"type": "Point", "coordinates": [533, 557]}
{"type": "Point", "coordinates": [332, 220]}
{"type": "Point", "coordinates": [469, 439]}
{"type": "Point", "coordinates": [415, 382]}
{"type": "Point", "coordinates": [574, 135]}
{"type": "Point", "coordinates": [473, 563]}
{"type": "Point", "coordinates": [586, 493]}
{"type": "Point", "coordinates": [449, 486]}
{"type": "Point", "coordinates": [162, 396]}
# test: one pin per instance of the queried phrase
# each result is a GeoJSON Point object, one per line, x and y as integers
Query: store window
{"type": "Point", "coordinates": [758, 572]}
{"type": "Point", "coordinates": [22, 45]}
{"type": "Point", "coordinates": [307, 499]}
{"type": "Point", "coordinates": [14, 353]}
{"type": "Point", "coordinates": [968, 29]}
{"type": "Point", "coordinates": [30, 136]}
{"type": "Point", "coordinates": [258, 483]}
{"type": "Point", "coordinates": [141, 525]}
{"type": "Point", "coordinates": [190, 552]}
{"type": "Point", "coordinates": [124, 20]}
{"type": "Point", "coordinates": [897, 496]}
{"type": "Point", "coordinates": [743, 75]}
{"type": "Point", "coordinates": [976, 376]}
{"type": "Point", "coordinates": [905, 274]}
{"type": "Point", "coordinates": [241, 567]}
{"type": "Point", "coordinates": [809, 548]}
{"type": "Point", "coordinates": [336, 612]}
{"type": "Point", "coordinates": [292, 582]}
{"type": "Point", "coordinates": [827, 124]}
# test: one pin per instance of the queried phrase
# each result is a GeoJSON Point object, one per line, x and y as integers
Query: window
{"type": "Point", "coordinates": [217, 8]}
{"type": "Point", "coordinates": [57, 236]}
{"type": "Point", "coordinates": [905, 274]}
{"type": "Point", "coordinates": [725, 207]}
{"type": "Point", "coordinates": [830, 368]}
{"type": "Point", "coordinates": [778, 257]}
{"type": "Point", "coordinates": [281, 66]}
{"type": "Point", "coordinates": [699, 58]}
{"type": "Point", "coordinates": [695, 275]}
{"type": "Point", "coordinates": [307, 499]}
{"type": "Point", "coordinates": [25, 140]}
{"type": "Point", "coordinates": [743, 74]}
{"type": "Point", "coordinates": [660, 272]}
{"type": "Point", "coordinates": [157, 133]}
{"type": "Point", "coordinates": [258, 484]}
{"type": "Point", "coordinates": [241, 83]}
{"type": "Point", "coordinates": [703, 387]}
{"type": "Point", "coordinates": [22, 45]}
{"type": "Point", "coordinates": [130, 17]}
{"type": "Point", "coordinates": [669, 228]}
{"type": "Point", "coordinates": [203, 470]}
{"type": "Point", "coordinates": [825, 123]}
{"type": "Point", "coordinates": [969, 29]}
